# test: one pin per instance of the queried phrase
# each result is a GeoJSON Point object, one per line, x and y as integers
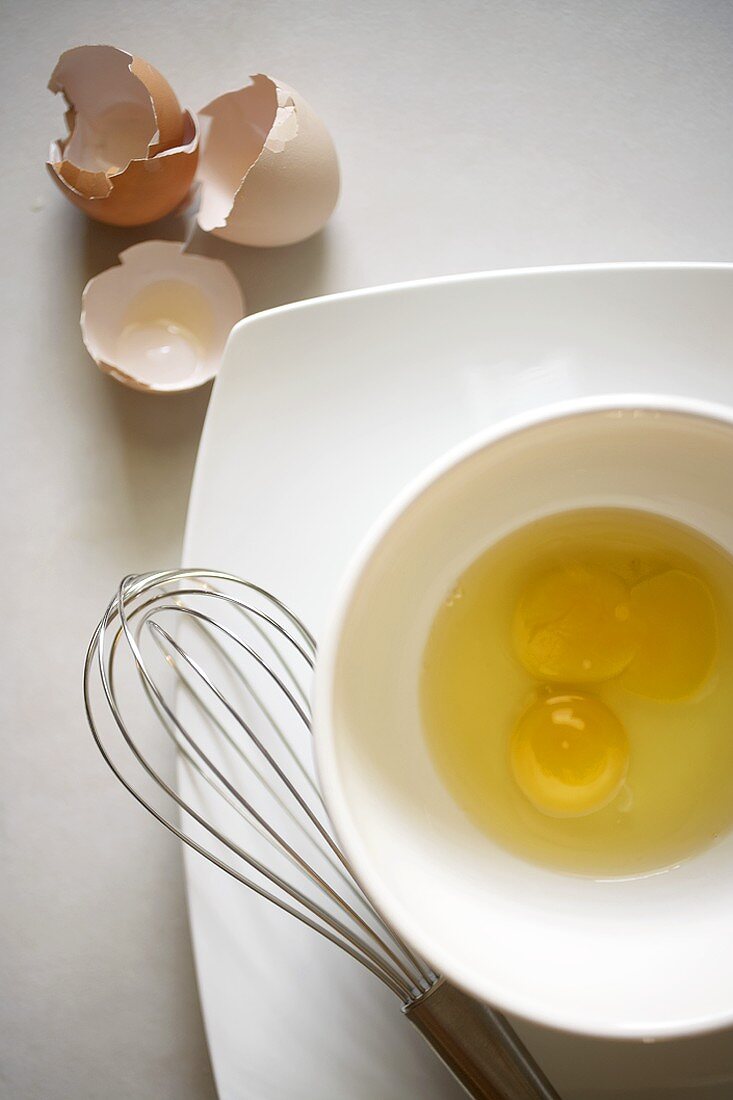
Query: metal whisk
{"type": "Point", "coordinates": [224, 669]}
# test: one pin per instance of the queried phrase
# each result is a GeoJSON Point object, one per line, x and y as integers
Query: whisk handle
{"type": "Point", "coordinates": [478, 1046]}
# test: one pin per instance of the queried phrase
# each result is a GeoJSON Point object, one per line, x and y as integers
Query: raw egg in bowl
{"type": "Point", "coordinates": [521, 713]}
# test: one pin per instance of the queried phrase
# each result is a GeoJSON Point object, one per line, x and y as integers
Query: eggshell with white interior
{"type": "Point", "coordinates": [268, 169]}
{"type": "Point", "coordinates": [159, 320]}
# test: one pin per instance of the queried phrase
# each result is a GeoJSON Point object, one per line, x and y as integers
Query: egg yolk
{"type": "Point", "coordinates": [569, 755]}
{"type": "Point", "coordinates": [572, 625]}
{"type": "Point", "coordinates": [673, 617]}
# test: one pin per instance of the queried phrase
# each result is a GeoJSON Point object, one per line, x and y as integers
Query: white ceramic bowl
{"type": "Point", "coordinates": [640, 957]}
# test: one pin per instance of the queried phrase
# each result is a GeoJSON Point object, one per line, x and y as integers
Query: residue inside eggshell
{"type": "Point", "coordinates": [131, 152]}
{"type": "Point", "coordinates": [159, 320]}
{"type": "Point", "coordinates": [268, 169]}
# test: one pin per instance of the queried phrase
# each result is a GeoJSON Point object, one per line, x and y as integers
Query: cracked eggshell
{"type": "Point", "coordinates": [159, 321]}
{"type": "Point", "coordinates": [130, 154]}
{"type": "Point", "coordinates": [268, 168]}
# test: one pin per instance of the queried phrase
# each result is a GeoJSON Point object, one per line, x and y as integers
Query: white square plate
{"type": "Point", "coordinates": [321, 413]}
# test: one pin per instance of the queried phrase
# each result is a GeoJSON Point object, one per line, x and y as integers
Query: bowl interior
{"type": "Point", "coordinates": [636, 957]}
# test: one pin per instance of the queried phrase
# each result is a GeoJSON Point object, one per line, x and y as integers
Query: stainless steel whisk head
{"type": "Point", "coordinates": [225, 668]}
{"type": "Point", "coordinates": [221, 669]}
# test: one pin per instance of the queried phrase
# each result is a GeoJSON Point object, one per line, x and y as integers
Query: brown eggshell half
{"type": "Point", "coordinates": [131, 153]}
{"type": "Point", "coordinates": [145, 191]}
{"type": "Point", "coordinates": [268, 168]}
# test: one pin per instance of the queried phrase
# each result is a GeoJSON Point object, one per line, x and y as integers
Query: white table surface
{"type": "Point", "coordinates": [472, 135]}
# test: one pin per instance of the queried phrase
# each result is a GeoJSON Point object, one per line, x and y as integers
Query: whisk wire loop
{"type": "Point", "coordinates": [135, 613]}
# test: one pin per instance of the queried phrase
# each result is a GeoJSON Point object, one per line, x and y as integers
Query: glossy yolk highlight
{"type": "Point", "coordinates": [572, 626]}
{"type": "Point", "coordinates": [569, 755]}
{"type": "Point", "coordinates": [674, 620]}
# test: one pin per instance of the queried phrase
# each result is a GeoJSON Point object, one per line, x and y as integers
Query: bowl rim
{"type": "Point", "coordinates": [347, 833]}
